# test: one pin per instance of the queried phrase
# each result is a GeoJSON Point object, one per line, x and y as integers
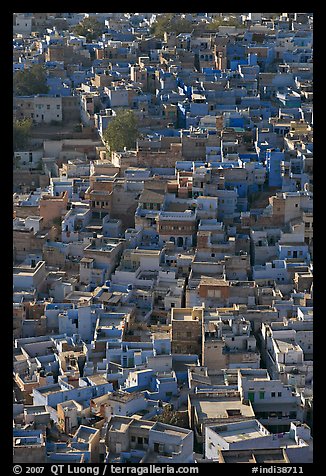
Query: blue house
{"type": "Point", "coordinates": [294, 250]}
{"type": "Point", "coordinates": [138, 380]}
{"type": "Point", "coordinates": [274, 157]}
{"type": "Point", "coordinates": [163, 386]}
{"type": "Point", "coordinates": [58, 86]}
{"type": "Point", "coordinates": [235, 52]}
{"type": "Point", "coordinates": [289, 98]}
{"type": "Point", "coordinates": [56, 393]}
{"type": "Point", "coordinates": [233, 119]}
{"type": "Point", "coordinates": [237, 62]}
{"type": "Point", "coordinates": [265, 139]}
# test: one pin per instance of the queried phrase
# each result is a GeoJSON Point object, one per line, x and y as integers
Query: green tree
{"type": "Point", "coordinates": [172, 417]}
{"type": "Point", "coordinates": [29, 82]}
{"type": "Point", "coordinates": [21, 133]}
{"type": "Point", "coordinates": [122, 131]}
{"type": "Point", "coordinates": [217, 22]}
{"type": "Point", "coordinates": [90, 28]}
{"type": "Point", "coordinates": [170, 23]}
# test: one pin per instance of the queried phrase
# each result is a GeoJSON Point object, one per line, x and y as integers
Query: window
{"type": "Point", "coordinates": [213, 293]}
{"type": "Point", "coordinates": [48, 106]}
{"type": "Point", "coordinates": [140, 440]}
{"type": "Point", "coordinates": [279, 394]}
{"type": "Point", "coordinates": [251, 396]}
{"type": "Point", "coordinates": [273, 394]}
{"type": "Point", "coordinates": [261, 395]}
{"type": "Point", "coordinates": [133, 438]}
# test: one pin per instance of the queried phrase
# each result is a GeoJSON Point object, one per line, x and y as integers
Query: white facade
{"type": "Point", "coordinates": [118, 97]}
{"type": "Point", "coordinates": [23, 25]}
{"type": "Point", "coordinates": [28, 159]}
{"type": "Point", "coordinates": [27, 277]}
{"type": "Point", "coordinates": [251, 435]}
{"type": "Point", "coordinates": [74, 220]}
{"type": "Point", "coordinates": [125, 408]}
{"type": "Point", "coordinates": [172, 444]}
{"type": "Point", "coordinates": [275, 271]}
{"type": "Point", "coordinates": [47, 109]}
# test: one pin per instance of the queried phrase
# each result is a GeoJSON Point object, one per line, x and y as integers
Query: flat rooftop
{"type": "Point", "coordinates": [240, 434]}
{"type": "Point", "coordinates": [85, 433]}
{"type": "Point", "coordinates": [144, 424]}
{"type": "Point", "coordinates": [184, 317]}
{"type": "Point", "coordinates": [222, 409]}
{"type": "Point", "coordinates": [273, 455]}
{"type": "Point", "coordinates": [35, 409]}
{"type": "Point", "coordinates": [286, 346]}
{"type": "Point", "coordinates": [255, 374]}
{"type": "Point", "coordinates": [119, 425]}
{"type": "Point", "coordinates": [120, 396]}
{"type": "Point", "coordinates": [170, 430]}
{"type": "Point", "coordinates": [45, 391]}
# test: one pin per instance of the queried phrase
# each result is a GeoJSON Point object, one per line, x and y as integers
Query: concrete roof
{"type": "Point", "coordinates": [285, 346]}
{"type": "Point", "coordinates": [214, 408]}
{"type": "Point", "coordinates": [152, 196]}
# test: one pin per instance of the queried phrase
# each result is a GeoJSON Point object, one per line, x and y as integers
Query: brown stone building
{"type": "Point", "coordinates": [186, 330]}
{"type": "Point", "coordinates": [29, 450]}
{"type": "Point", "coordinates": [99, 195]}
{"type": "Point", "coordinates": [53, 207]}
{"type": "Point", "coordinates": [178, 227]}
{"type": "Point", "coordinates": [29, 236]}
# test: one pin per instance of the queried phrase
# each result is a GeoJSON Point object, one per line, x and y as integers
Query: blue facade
{"type": "Point", "coordinates": [241, 187]}
{"type": "Point", "coordinates": [198, 109]}
{"type": "Point", "coordinates": [62, 394]}
{"type": "Point", "coordinates": [235, 52]}
{"type": "Point", "coordinates": [143, 381]}
{"type": "Point", "coordinates": [235, 63]}
{"type": "Point", "coordinates": [232, 120]}
{"type": "Point", "coordinates": [273, 165]}
{"type": "Point", "coordinates": [182, 110]}
{"type": "Point", "coordinates": [294, 251]}
{"type": "Point", "coordinates": [249, 157]}
{"type": "Point", "coordinates": [162, 388]}
{"type": "Point", "coordinates": [103, 122]}
{"type": "Point", "coordinates": [252, 59]}
{"type": "Point", "coordinates": [209, 72]}
{"type": "Point", "coordinates": [58, 87]}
